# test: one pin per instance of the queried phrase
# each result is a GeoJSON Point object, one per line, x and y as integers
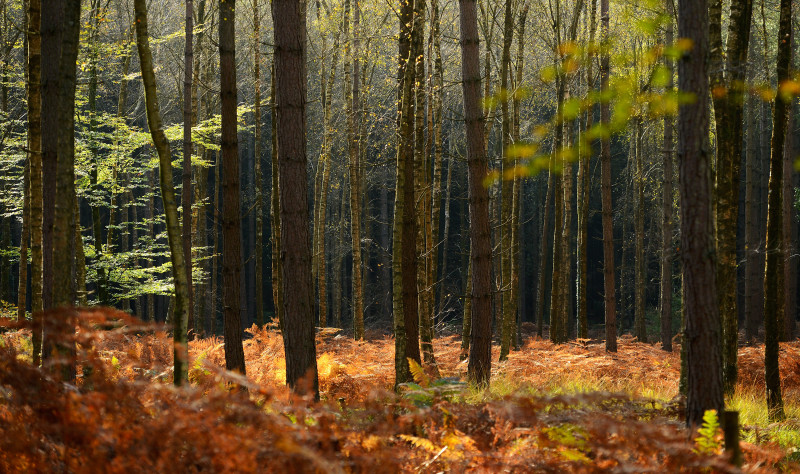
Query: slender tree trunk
{"type": "Point", "coordinates": [181, 348]}
{"type": "Point", "coordinates": [404, 254]}
{"type": "Point", "coordinates": [231, 218]}
{"type": "Point", "coordinates": [773, 306]}
{"type": "Point", "coordinates": [728, 98]}
{"type": "Point", "coordinates": [22, 288]}
{"type": "Point", "coordinates": [641, 278]}
{"type": "Point", "coordinates": [583, 197]}
{"type": "Point", "coordinates": [275, 214]}
{"type": "Point", "coordinates": [608, 210]}
{"type": "Point", "coordinates": [290, 93]}
{"type": "Point", "coordinates": [35, 159]}
{"type": "Point", "coordinates": [704, 378]}
{"type": "Point", "coordinates": [789, 231]}
{"type": "Point", "coordinates": [436, 114]}
{"type": "Point", "coordinates": [354, 149]}
{"type": "Point", "coordinates": [543, 254]}
{"type": "Point", "coordinates": [667, 253]}
{"type": "Point", "coordinates": [259, 178]}
{"type": "Point", "coordinates": [507, 319]}
{"type": "Point", "coordinates": [186, 191]}
{"type": "Point", "coordinates": [479, 367]}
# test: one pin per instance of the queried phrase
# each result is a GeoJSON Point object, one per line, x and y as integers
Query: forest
{"type": "Point", "coordinates": [413, 236]}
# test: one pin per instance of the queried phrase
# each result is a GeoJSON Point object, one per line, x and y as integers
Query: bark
{"type": "Point", "coordinates": [181, 348]}
{"type": "Point", "coordinates": [704, 378]}
{"type": "Point", "coordinates": [290, 93]}
{"type": "Point", "coordinates": [728, 96]}
{"type": "Point", "coordinates": [789, 232]}
{"type": "Point", "coordinates": [186, 189]}
{"type": "Point", "coordinates": [508, 320]}
{"type": "Point", "coordinates": [667, 253]}
{"type": "Point", "coordinates": [773, 306]}
{"type": "Point", "coordinates": [543, 261]}
{"type": "Point", "coordinates": [404, 254]}
{"type": "Point", "coordinates": [258, 209]}
{"type": "Point", "coordinates": [436, 114]}
{"type": "Point", "coordinates": [608, 210]}
{"type": "Point", "coordinates": [640, 324]}
{"type": "Point", "coordinates": [479, 368]}
{"type": "Point", "coordinates": [354, 149]}
{"type": "Point", "coordinates": [231, 218]}
{"type": "Point", "coordinates": [275, 214]}
{"type": "Point", "coordinates": [35, 159]}
{"type": "Point", "coordinates": [583, 198]}
{"type": "Point", "coordinates": [22, 288]}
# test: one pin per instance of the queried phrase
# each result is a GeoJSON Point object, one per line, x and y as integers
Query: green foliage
{"type": "Point", "coordinates": [709, 436]}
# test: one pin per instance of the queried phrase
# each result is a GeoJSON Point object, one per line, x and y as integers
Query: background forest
{"type": "Point", "coordinates": [224, 202]}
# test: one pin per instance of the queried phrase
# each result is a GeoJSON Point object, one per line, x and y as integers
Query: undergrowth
{"type": "Point", "coordinates": [568, 408]}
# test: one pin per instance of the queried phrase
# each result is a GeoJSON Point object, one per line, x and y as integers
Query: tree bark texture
{"type": "Point", "coordinates": [479, 368]}
{"type": "Point", "coordinates": [298, 298]}
{"type": "Point", "coordinates": [702, 336]}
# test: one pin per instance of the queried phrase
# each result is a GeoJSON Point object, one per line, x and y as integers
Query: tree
{"type": "Point", "coordinates": [479, 367]}
{"type": "Point", "coordinates": [665, 295]}
{"type": "Point", "coordinates": [186, 190]}
{"type": "Point", "coordinates": [35, 160]}
{"type": "Point", "coordinates": [704, 378]}
{"type": "Point", "coordinates": [180, 318]}
{"type": "Point", "coordinates": [404, 253]}
{"type": "Point", "coordinates": [231, 219]}
{"type": "Point", "coordinates": [290, 92]}
{"type": "Point", "coordinates": [728, 94]}
{"type": "Point", "coordinates": [608, 207]}
{"type": "Point", "coordinates": [773, 305]}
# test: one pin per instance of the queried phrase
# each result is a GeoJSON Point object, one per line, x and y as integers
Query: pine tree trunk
{"type": "Point", "coordinates": [35, 158]}
{"type": "Point", "coordinates": [608, 210]}
{"type": "Point", "coordinates": [583, 198]}
{"type": "Point", "coordinates": [231, 211]}
{"type": "Point", "coordinates": [704, 378]}
{"type": "Point", "coordinates": [665, 294]}
{"type": "Point", "coordinates": [404, 254]}
{"type": "Point", "coordinates": [353, 117]}
{"type": "Point", "coordinates": [506, 319]}
{"type": "Point", "coordinates": [641, 278]}
{"type": "Point", "coordinates": [275, 215]}
{"type": "Point", "coordinates": [186, 190]}
{"type": "Point", "coordinates": [479, 367]}
{"type": "Point", "coordinates": [298, 297]}
{"type": "Point", "coordinates": [773, 306]}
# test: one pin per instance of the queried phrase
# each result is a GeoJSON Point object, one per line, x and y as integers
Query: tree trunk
{"type": "Point", "coordinates": [641, 278]}
{"type": "Point", "coordinates": [35, 159]}
{"type": "Point", "coordinates": [275, 214]}
{"type": "Point", "coordinates": [583, 198]}
{"type": "Point", "coordinates": [704, 376]}
{"type": "Point", "coordinates": [773, 307]}
{"type": "Point", "coordinates": [259, 179]}
{"type": "Point", "coordinates": [507, 320]}
{"type": "Point", "coordinates": [22, 288]}
{"type": "Point", "coordinates": [231, 218]}
{"type": "Point", "coordinates": [354, 149]}
{"type": "Point", "coordinates": [181, 349]}
{"type": "Point", "coordinates": [186, 191]}
{"type": "Point", "coordinates": [290, 93]}
{"type": "Point", "coordinates": [789, 230]}
{"type": "Point", "coordinates": [404, 254]}
{"type": "Point", "coordinates": [728, 94]}
{"type": "Point", "coordinates": [665, 294]}
{"type": "Point", "coordinates": [479, 367]}
{"type": "Point", "coordinates": [608, 210]}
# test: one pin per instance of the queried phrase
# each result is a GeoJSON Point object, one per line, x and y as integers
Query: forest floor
{"type": "Point", "coordinates": [565, 408]}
